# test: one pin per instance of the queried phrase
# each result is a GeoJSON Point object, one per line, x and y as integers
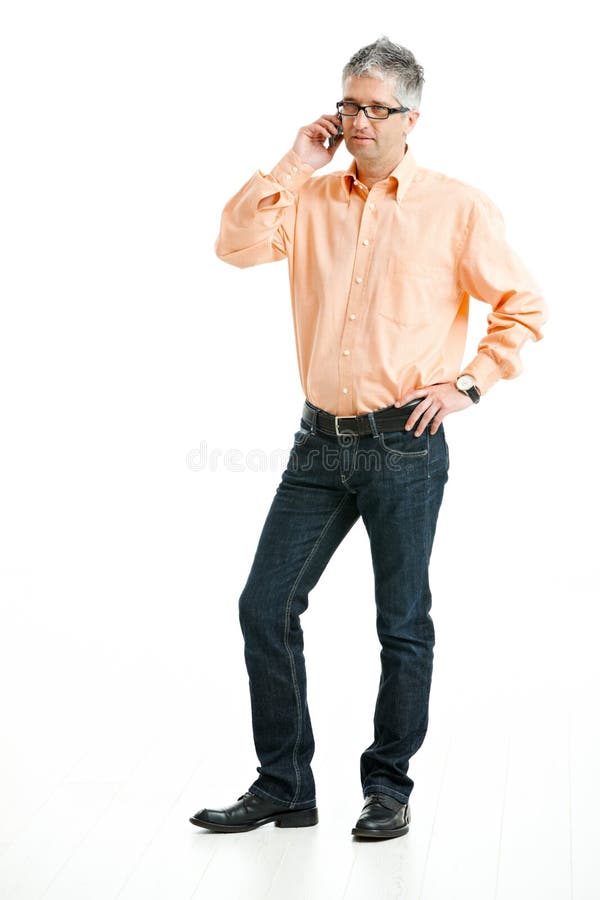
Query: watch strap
{"type": "Point", "coordinates": [473, 393]}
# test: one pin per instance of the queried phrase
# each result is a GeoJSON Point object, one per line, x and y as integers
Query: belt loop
{"type": "Point", "coordinates": [312, 417]}
{"type": "Point", "coordinates": [372, 423]}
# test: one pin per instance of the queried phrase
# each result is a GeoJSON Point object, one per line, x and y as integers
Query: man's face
{"type": "Point", "coordinates": [371, 139]}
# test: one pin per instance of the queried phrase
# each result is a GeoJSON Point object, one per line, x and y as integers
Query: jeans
{"type": "Point", "coordinates": [395, 481]}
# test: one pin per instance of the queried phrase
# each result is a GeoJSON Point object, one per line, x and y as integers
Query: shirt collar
{"type": "Point", "coordinates": [403, 174]}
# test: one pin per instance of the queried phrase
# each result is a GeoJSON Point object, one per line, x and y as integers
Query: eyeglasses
{"type": "Point", "coordinates": [372, 111]}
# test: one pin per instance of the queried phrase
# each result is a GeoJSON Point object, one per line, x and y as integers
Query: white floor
{"type": "Point", "coordinates": [99, 777]}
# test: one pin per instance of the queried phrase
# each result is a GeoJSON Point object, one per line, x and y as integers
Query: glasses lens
{"type": "Point", "coordinates": [373, 112]}
{"type": "Point", "coordinates": [377, 112]}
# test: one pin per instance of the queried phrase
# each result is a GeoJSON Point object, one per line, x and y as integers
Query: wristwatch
{"type": "Point", "coordinates": [466, 384]}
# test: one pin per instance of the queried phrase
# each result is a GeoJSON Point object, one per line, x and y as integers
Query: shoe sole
{"type": "Point", "coordinates": [299, 818]}
{"type": "Point", "coordinates": [370, 832]}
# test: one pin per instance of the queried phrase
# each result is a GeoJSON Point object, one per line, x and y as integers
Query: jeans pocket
{"type": "Point", "coordinates": [301, 436]}
{"type": "Point", "coordinates": [404, 443]}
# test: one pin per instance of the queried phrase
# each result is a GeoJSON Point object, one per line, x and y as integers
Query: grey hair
{"type": "Point", "coordinates": [383, 59]}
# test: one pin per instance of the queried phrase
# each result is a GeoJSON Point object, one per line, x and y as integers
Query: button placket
{"type": "Point", "coordinates": [348, 339]}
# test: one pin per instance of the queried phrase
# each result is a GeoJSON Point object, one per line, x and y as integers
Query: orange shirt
{"type": "Point", "coordinates": [380, 279]}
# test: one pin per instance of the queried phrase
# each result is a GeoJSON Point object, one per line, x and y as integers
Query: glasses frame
{"type": "Point", "coordinates": [390, 110]}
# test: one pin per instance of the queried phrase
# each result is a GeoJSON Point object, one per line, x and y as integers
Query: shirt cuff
{"type": "Point", "coordinates": [291, 173]}
{"type": "Point", "coordinates": [484, 370]}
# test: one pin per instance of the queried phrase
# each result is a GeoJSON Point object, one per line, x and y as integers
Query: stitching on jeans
{"type": "Point", "coordinates": [287, 627]}
{"type": "Point", "coordinates": [408, 454]}
{"type": "Point", "coordinates": [345, 479]}
{"type": "Point", "coordinates": [305, 434]}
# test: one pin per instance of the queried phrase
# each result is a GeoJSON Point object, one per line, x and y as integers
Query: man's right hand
{"type": "Point", "coordinates": [309, 144]}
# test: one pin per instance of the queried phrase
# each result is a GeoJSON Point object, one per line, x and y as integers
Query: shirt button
{"type": "Point", "coordinates": [344, 390]}
{"type": "Point", "coordinates": [365, 242]}
{"type": "Point", "coordinates": [353, 316]}
{"type": "Point", "coordinates": [346, 353]}
{"type": "Point", "coordinates": [294, 168]}
{"type": "Point", "coordinates": [358, 279]}
{"type": "Point", "coordinates": [371, 206]}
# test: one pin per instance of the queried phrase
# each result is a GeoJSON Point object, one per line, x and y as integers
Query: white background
{"type": "Point", "coordinates": [126, 344]}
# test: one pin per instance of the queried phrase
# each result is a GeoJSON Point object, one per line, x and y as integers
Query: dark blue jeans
{"type": "Point", "coordinates": [395, 481]}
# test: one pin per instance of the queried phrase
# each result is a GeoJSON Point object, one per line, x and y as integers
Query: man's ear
{"type": "Point", "coordinates": [412, 117]}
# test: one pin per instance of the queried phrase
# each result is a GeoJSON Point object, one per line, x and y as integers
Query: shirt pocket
{"type": "Point", "coordinates": [408, 295]}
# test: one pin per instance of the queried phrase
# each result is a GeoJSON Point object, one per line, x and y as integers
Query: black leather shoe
{"type": "Point", "coordinates": [382, 816]}
{"type": "Point", "coordinates": [250, 811]}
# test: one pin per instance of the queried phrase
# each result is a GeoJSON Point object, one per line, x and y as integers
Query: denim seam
{"type": "Point", "coordinates": [352, 468]}
{"type": "Point", "coordinates": [286, 633]}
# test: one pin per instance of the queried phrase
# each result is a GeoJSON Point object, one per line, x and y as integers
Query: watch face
{"type": "Point", "coordinates": [465, 382]}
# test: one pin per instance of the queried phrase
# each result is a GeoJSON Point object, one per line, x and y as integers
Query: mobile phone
{"type": "Point", "coordinates": [335, 138]}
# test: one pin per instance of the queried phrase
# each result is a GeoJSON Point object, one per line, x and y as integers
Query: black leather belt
{"type": "Point", "coordinates": [390, 418]}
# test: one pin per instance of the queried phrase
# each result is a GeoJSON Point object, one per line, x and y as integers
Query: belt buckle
{"type": "Point", "coordinates": [342, 417]}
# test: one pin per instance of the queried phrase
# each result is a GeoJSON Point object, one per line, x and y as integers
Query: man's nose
{"type": "Point", "coordinates": [361, 122]}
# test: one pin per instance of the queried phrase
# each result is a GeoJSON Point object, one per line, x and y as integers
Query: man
{"type": "Point", "coordinates": [382, 260]}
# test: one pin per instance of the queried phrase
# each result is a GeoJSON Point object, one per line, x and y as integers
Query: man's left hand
{"type": "Point", "coordinates": [438, 400]}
